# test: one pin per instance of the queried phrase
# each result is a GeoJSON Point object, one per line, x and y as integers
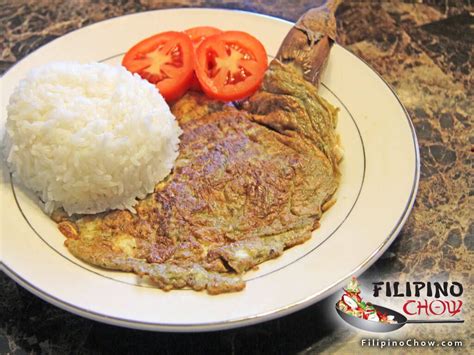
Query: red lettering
{"type": "Point", "coordinates": [423, 306]}
{"type": "Point", "coordinates": [456, 307]}
{"type": "Point", "coordinates": [435, 307]}
{"type": "Point", "coordinates": [437, 304]}
{"type": "Point", "coordinates": [405, 307]}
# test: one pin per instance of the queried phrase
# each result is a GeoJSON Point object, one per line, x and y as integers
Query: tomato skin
{"type": "Point", "coordinates": [166, 60]}
{"type": "Point", "coordinates": [230, 66]}
{"type": "Point", "coordinates": [226, 66]}
{"type": "Point", "coordinates": [197, 35]}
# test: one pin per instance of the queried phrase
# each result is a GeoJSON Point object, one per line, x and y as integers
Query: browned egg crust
{"type": "Point", "coordinates": [249, 182]}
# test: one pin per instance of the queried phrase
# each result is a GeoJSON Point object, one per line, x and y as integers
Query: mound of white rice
{"type": "Point", "coordinates": [89, 137]}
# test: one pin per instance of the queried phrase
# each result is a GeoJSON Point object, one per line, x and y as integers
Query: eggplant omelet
{"type": "Point", "coordinates": [251, 180]}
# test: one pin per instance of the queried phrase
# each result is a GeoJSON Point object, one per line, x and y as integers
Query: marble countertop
{"type": "Point", "coordinates": [424, 50]}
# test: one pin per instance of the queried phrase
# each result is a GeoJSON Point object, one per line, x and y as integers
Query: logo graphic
{"type": "Point", "coordinates": [371, 317]}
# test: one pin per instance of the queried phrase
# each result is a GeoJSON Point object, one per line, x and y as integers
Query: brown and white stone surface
{"type": "Point", "coordinates": [424, 49]}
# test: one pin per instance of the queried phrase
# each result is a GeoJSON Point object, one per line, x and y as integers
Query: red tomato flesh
{"type": "Point", "coordinates": [166, 60]}
{"type": "Point", "coordinates": [197, 35]}
{"type": "Point", "coordinates": [230, 66]}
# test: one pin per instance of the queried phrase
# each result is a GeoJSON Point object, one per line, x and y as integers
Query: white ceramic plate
{"type": "Point", "coordinates": [379, 182]}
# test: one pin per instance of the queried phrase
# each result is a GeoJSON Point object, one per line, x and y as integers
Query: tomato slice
{"type": "Point", "coordinates": [197, 35]}
{"type": "Point", "coordinates": [166, 60]}
{"type": "Point", "coordinates": [230, 66]}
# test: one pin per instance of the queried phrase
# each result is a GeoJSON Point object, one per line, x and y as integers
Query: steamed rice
{"type": "Point", "coordinates": [89, 137]}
